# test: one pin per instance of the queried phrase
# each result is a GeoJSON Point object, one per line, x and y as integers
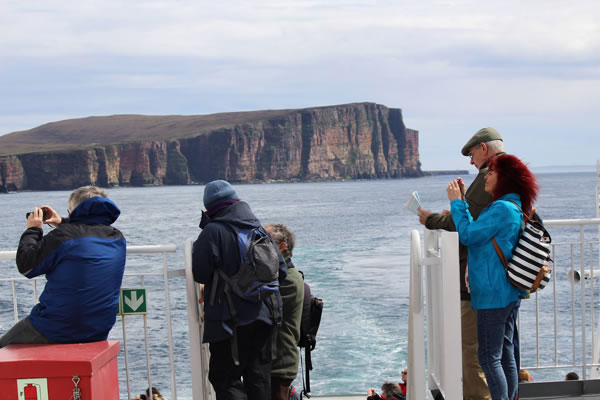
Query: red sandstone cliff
{"type": "Point", "coordinates": [362, 140]}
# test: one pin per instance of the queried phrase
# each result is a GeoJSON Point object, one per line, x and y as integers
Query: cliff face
{"type": "Point", "coordinates": [12, 175]}
{"type": "Point", "coordinates": [351, 141]}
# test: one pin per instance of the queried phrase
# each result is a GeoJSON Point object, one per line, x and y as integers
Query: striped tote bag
{"type": "Point", "coordinates": [528, 268]}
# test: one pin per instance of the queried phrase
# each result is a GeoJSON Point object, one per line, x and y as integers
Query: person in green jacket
{"type": "Point", "coordinates": [285, 365]}
{"type": "Point", "coordinates": [485, 144]}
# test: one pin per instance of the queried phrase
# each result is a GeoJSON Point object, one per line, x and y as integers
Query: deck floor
{"type": "Point", "coordinates": [364, 396]}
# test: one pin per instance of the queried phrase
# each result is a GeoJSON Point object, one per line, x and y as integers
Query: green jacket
{"type": "Point", "coordinates": [285, 366]}
{"type": "Point", "coordinates": [477, 199]}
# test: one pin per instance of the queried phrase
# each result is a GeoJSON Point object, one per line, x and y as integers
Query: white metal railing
{"type": "Point", "coordinates": [165, 274]}
{"type": "Point", "coordinates": [574, 269]}
{"type": "Point", "coordinates": [573, 260]}
{"type": "Point", "coordinates": [444, 355]}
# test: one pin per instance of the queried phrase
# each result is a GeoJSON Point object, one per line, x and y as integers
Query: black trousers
{"type": "Point", "coordinates": [251, 380]}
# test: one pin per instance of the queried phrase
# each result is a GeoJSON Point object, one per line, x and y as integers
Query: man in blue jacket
{"type": "Point", "coordinates": [83, 259]}
{"type": "Point", "coordinates": [247, 374]}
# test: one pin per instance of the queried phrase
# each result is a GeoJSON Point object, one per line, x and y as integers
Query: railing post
{"type": "Point", "coordinates": [169, 327]}
{"type": "Point", "coordinates": [444, 348]}
{"type": "Point", "coordinates": [431, 256]}
{"type": "Point", "coordinates": [416, 388]}
{"type": "Point", "coordinates": [201, 388]}
{"type": "Point", "coordinates": [451, 342]}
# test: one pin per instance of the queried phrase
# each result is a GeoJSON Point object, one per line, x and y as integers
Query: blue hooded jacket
{"type": "Point", "coordinates": [83, 259]}
{"type": "Point", "coordinates": [501, 219]}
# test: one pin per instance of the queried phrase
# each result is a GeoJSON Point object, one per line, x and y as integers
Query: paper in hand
{"type": "Point", "coordinates": [413, 203]}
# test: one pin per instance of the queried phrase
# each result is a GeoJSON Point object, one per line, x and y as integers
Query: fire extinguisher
{"type": "Point", "coordinates": [31, 391]}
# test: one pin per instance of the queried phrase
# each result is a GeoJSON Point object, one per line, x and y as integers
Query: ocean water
{"type": "Point", "coordinates": [352, 244]}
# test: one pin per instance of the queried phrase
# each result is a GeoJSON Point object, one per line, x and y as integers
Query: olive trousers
{"type": "Point", "coordinates": [474, 384]}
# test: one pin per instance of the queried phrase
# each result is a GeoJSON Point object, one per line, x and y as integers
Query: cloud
{"type": "Point", "coordinates": [450, 65]}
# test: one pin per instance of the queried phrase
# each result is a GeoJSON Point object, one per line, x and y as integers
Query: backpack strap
{"type": "Point", "coordinates": [213, 290]}
{"type": "Point", "coordinates": [525, 216]}
{"type": "Point", "coordinates": [500, 253]}
{"type": "Point", "coordinates": [276, 302]}
{"type": "Point", "coordinates": [497, 247]}
{"type": "Point", "coordinates": [306, 376]}
{"type": "Point", "coordinates": [236, 321]}
{"type": "Point", "coordinates": [234, 316]}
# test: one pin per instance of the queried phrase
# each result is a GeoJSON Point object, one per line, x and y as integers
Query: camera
{"type": "Point", "coordinates": [44, 214]}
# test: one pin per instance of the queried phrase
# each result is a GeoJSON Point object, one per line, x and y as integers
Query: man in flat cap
{"type": "Point", "coordinates": [239, 331]}
{"type": "Point", "coordinates": [484, 145]}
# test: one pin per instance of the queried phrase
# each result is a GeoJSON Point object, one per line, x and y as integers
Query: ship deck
{"type": "Point", "coordinates": [561, 390]}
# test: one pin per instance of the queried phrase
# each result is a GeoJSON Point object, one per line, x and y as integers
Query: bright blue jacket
{"type": "Point", "coordinates": [83, 259]}
{"type": "Point", "coordinates": [487, 277]}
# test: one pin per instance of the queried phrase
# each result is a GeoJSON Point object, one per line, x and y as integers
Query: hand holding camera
{"type": "Point", "coordinates": [43, 214]}
{"type": "Point", "coordinates": [35, 218]}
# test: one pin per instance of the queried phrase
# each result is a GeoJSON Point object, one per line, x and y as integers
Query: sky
{"type": "Point", "coordinates": [529, 68]}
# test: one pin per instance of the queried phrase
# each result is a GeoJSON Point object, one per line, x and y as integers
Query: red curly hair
{"type": "Point", "coordinates": [514, 177]}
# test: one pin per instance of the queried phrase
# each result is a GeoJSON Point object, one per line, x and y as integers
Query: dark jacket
{"type": "Point", "coordinates": [285, 366]}
{"type": "Point", "coordinates": [84, 260]}
{"type": "Point", "coordinates": [217, 246]}
{"type": "Point", "coordinates": [477, 199]}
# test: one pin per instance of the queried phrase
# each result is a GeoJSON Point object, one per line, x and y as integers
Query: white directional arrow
{"type": "Point", "coordinates": [134, 302]}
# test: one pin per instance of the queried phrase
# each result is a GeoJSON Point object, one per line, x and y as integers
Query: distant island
{"type": "Point", "coordinates": [456, 172]}
{"type": "Point", "coordinates": [349, 141]}
{"type": "Point", "coordinates": [564, 168]}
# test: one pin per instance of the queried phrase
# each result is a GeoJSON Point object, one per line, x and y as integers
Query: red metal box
{"type": "Point", "coordinates": [45, 372]}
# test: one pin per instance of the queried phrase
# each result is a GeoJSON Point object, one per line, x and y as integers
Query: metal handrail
{"type": "Point", "coordinates": [440, 266]}
{"type": "Point", "coordinates": [166, 274]}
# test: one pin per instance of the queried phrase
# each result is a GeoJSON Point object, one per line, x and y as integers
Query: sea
{"type": "Point", "coordinates": [353, 240]}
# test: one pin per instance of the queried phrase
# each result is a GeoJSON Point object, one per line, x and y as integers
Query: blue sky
{"type": "Point", "coordinates": [531, 68]}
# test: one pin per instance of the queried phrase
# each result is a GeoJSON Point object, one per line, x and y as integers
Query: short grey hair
{"type": "Point", "coordinates": [495, 146]}
{"type": "Point", "coordinates": [282, 234]}
{"type": "Point", "coordinates": [85, 193]}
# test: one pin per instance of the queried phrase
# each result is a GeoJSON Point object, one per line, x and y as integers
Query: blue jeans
{"type": "Point", "coordinates": [495, 329]}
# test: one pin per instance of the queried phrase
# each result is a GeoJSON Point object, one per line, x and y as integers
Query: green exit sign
{"type": "Point", "coordinates": [133, 301]}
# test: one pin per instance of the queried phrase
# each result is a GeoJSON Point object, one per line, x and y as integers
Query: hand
{"type": "Point", "coordinates": [461, 186]}
{"type": "Point", "coordinates": [371, 392]}
{"type": "Point", "coordinates": [423, 215]}
{"type": "Point", "coordinates": [453, 191]}
{"type": "Point", "coordinates": [52, 216]}
{"type": "Point", "coordinates": [201, 298]}
{"type": "Point", "coordinates": [35, 218]}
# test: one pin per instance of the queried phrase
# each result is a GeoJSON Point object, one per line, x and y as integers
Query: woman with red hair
{"type": "Point", "coordinates": [513, 188]}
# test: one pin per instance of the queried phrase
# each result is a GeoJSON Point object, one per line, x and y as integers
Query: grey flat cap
{"type": "Point", "coordinates": [482, 136]}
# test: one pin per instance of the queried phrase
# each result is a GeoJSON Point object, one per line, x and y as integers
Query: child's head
{"type": "Point", "coordinates": [390, 389]}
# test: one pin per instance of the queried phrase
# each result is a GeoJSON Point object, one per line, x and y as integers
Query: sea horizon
{"type": "Point", "coordinates": [352, 245]}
